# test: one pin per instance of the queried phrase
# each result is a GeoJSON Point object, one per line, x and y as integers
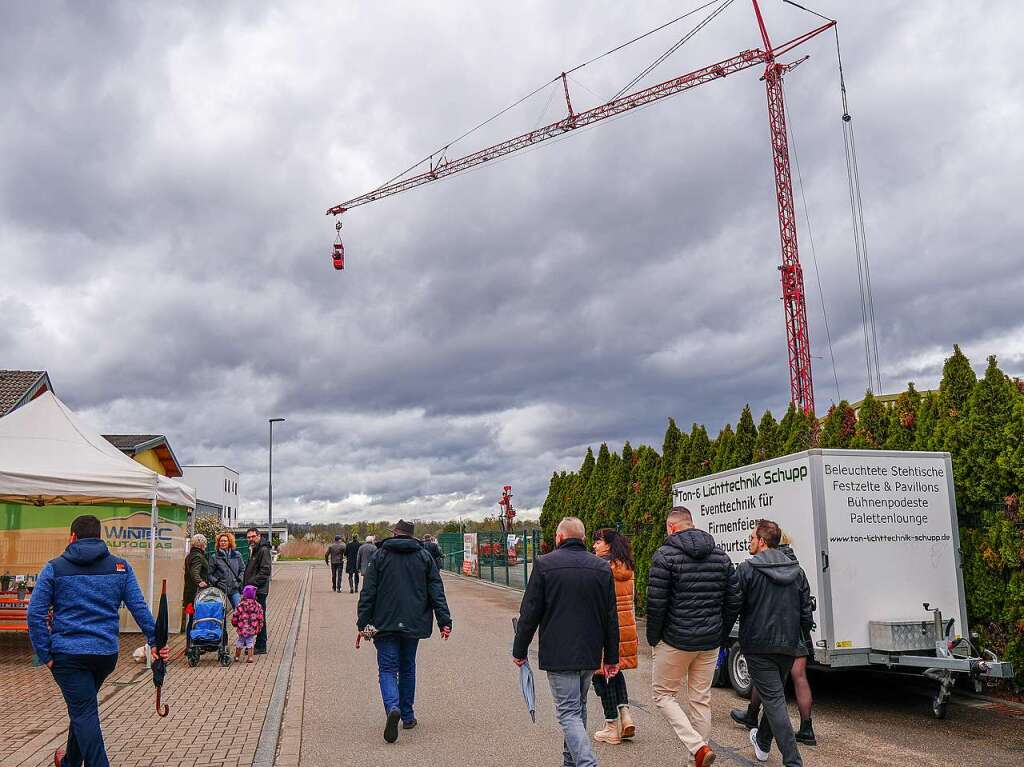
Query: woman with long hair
{"type": "Point", "coordinates": [611, 545]}
{"type": "Point", "coordinates": [226, 567]}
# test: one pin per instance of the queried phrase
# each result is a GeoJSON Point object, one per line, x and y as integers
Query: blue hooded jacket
{"type": "Point", "coordinates": [85, 586]}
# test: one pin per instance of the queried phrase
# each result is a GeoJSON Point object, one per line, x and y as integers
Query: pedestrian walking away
{"type": "Point", "coordinates": [570, 597]}
{"type": "Point", "coordinates": [434, 550]}
{"type": "Point", "coordinates": [352, 564]}
{"type": "Point", "coordinates": [258, 573]}
{"type": "Point", "coordinates": [247, 620]}
{"type": "Point", "coordinates": [85, 588]}
{"type": "Point", "coordinates": [747, 717]}
{"type": "Point", "coordinates": [693, 598]}
{"type": "Point", "coordinates": [367, 550]}
{"type": "Point", "coordinates": [402, 589]}
{"type": "Point", "coordinates": [227, 568]}
{"type": "Point", "coordinates": [614, 548]}
{"type": "Point", "coordinates": [197, 576]}
{"type": "Point", "coordinates": [335, 557]}
{"type": "Point", "coordinates": [775, 615]}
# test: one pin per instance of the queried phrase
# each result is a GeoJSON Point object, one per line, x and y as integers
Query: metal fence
{"type": "Point", "coordinates": [492, 556]}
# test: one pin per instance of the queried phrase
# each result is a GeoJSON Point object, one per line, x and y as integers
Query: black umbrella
{"type": "Point", "coordinates": [159, 667]}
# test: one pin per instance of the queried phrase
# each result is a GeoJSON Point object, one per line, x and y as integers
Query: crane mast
{"type": "Point", "coordinates": [791, 272]}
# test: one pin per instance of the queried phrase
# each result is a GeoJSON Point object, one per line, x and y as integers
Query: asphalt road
{"type": "Point", "coordinates": [471, 713]}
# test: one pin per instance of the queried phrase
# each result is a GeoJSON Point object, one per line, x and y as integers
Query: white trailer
{"type": "Point", "coordinates": [876, 533]}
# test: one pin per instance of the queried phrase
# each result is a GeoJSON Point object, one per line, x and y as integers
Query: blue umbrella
{"type": "Point", "coordinates": [526, 682]}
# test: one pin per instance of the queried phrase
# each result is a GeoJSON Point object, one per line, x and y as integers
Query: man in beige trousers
{"type": "Point", "coordinates": [693, 598]}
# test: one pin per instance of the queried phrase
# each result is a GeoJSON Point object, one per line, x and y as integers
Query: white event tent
{"type": "Point", "coordinates": [49, 457]}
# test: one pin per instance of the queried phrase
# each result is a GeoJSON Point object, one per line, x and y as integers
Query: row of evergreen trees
{"type": "Point", "coordinates": [979, 421]}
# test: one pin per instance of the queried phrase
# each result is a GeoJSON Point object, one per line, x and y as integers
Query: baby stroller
{"type": "Point", "coordinates": [207, 626]}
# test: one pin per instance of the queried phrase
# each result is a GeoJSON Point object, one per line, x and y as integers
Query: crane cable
{"type": "Point", "coordinates": [675, 47]}
{"type": "Point", "coordinates": [867, 301]}
{"type": "Point", "coordinates": [439, 153]}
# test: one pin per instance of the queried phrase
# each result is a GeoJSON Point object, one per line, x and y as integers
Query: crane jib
{"type": "Point", "coordinates": [571, 122]}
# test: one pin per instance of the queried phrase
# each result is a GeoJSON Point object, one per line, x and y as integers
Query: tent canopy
{"type": "Point", "coordinates": [48, 456]}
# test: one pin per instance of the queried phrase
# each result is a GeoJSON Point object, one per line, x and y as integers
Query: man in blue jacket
{"type": "Point", "coordinates": [85, 587]}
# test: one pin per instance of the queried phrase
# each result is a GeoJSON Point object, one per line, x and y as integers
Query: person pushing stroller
{"type": "Point", "coordinates": [248, 621]}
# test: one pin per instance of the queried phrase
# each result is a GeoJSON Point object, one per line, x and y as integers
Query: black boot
{"type": "Point", "coordinates": [805, 734]}
{"type": "Point", "coordinates": [745, 717]}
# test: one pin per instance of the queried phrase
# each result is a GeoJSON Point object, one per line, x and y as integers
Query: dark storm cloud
{"type": "Point", "coordinates": [164, 248]}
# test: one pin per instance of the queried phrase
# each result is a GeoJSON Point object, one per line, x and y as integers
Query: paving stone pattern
{"type": "Point", "coordinates": [216, 713]}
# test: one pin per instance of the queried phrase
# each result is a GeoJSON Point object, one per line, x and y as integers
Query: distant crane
{"type": "Point", "coordinates": [791, 272]}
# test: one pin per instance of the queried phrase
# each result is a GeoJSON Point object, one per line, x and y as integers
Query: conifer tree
{"type": "Point", "coordinates": [767, 443]}
{"type": "Point", "coordinates": [872, 425]}
{"type": "Point", "coordinates": [951, 433]}
{"type": "Point", "coordinates": [649, 517]}
{"type": "Point", "coordinates": [746, 438]}
{"type": "Point", "coordinates": [699, 462]}
{"type": "Point", "coordinates": [682, 458]}
{"type": "Point", "coordinates": [723, 450]}
{"type": "Point", "coordinates": [802, 434]}
{"type": "Point", "coordinates": [840, 424]}
{"type": "Point", "coordinates": [927, 423]}
{"type": "Point", "coordinates": [903, 420]}
{"type": "Point", "coordinates": [597, 489]}
{"type": "Point", "coordinates": [791, 417]}
{"type": "Point", "coordinates": [615, 495]}
{"type": "Point", "coordinates": [578, 504]}
{"type": "Point", "coordinates": [669, 447]}
{"type": "Point", "coordinates": [986, 480]}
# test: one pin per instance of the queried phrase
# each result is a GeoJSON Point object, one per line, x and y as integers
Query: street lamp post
{"type": "Point", "coordinates": [270, 482]}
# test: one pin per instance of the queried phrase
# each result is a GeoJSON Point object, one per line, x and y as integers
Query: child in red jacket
{"type": "Point", "coordinates": [248, 619]}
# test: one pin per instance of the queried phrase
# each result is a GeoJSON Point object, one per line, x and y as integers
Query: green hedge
{"type": "Point", "coordinates": [979, 421]}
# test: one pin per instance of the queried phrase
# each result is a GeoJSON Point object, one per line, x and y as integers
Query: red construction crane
{"type": "Point", "coordinates": [793, 297]}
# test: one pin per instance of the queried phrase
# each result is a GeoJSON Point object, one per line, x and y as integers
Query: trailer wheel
{"type": "Point", "coordinates": [739, 674]}
{"type": "Point", "coordinates": [939, 707]}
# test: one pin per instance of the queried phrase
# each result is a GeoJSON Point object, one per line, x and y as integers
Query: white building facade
{"type": "Point", "coordinates": [216, 491]}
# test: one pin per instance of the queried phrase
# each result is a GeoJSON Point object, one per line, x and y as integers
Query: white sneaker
{"type": "Point", "coordinates": [762, 756]}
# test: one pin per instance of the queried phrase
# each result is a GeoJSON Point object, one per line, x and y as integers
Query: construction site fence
{"type": "Point", "coordinates": [499, 557]}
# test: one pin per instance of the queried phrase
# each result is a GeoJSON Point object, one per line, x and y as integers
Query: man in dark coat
{"type": "Point", "coordinates": [571, 598]}
{"type": "Point", "coordinates": [258, 572]}
{"type": "Point", "coordinates": [402, 589]}
{"type": "Point", "coordinates": [775, 616]}
{"type": "Point", "coordinates": [693, 597]}
{"type": "Point", "coordinates": [434, 550]}
{"type": "Point", "coordinates": [335, 557]}
{"type": "Point", "coordinates": [352, 564]}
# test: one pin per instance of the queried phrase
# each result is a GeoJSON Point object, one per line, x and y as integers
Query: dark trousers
{"type": "Point", "coordinates": [261, 638]}
{"type": "Point", "coordinates": [612, 693]}
{"type": "Point", "coordinates": [79, 678]}
{"type": "Point", "coordinates": [337, 575]}
{"type": "Point", "coordinates": [396, 667]}
{"type": "Point", "coordinates": [353, 580]}
{"type": "Point", "coordinates": [768, 673]}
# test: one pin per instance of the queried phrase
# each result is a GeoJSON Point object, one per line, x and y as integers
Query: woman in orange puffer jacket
{"type": "Point", "coordinates": [613, 546]}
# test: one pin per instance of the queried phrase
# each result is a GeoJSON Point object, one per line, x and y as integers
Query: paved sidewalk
{"type": "Point", "coordinates": [216, 713]}
{"type": "Point", "coordinates": [471, 713]}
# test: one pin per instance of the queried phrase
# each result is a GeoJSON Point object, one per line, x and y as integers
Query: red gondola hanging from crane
{"type": "Point", "coordinates": [338, 254]}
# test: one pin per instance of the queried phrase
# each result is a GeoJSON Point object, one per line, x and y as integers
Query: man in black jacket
{"type": "Point", "coordinates": [571, 598]}
{"type": "Point", "coordinates": [776, 612]}
{"type": "Point", "coordinates": [401, 589]}
{"type": "Point", "coordinates": [352, 564]}
{"type": "Point", "coordinates": [693, 598]}
{"type": "Point", "coordinates": [257, 573]}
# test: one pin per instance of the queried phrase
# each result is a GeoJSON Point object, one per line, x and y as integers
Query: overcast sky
{"type": "Point", "coordinates": [164, 252]}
